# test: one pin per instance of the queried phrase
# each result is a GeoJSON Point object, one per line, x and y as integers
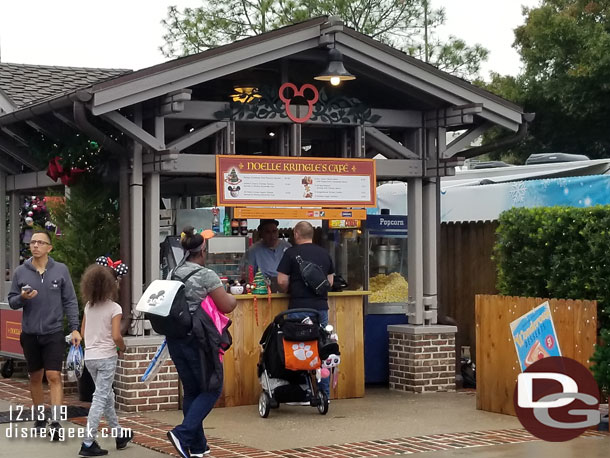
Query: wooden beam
{"type": "Point", "coordinates": [29, 181]}
{"type": "Point", "coordinates": [453, 116]}
{"type": "Point", "coordinates": [205, 164]}
{"type": "Point", "coordinates": [9, 166]}
{"type": "Point", "coordinates": [398, 168]}
{"type": "Point", "coordinates": [21, 156]}
{"type": "Point", "coordinates": [196, 136]}
{"type": "Point", "coordinates": [465, 140]}
{"type": "Point", "coordinates": [205, 111]}
{"type": "Point", "coordinates": [11, 132]}
{"type": "Point", "coordinates": [133, 131]}
{"type": "Point", "coordinates": [386, 144]}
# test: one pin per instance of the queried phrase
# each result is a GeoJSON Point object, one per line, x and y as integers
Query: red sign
{"type": "Point", "coordinates": [10, 325]}
{"type": "Point", "coordinates": [277, 181]}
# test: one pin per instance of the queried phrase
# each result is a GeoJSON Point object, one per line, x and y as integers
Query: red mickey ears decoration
{"type": "Point", "coordinates": [118, 266]}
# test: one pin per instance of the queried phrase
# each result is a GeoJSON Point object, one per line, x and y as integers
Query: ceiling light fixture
{"type": "Point", "coordinates": [245, 94]}
{"type": "Point", "coordinates": [335, 72]}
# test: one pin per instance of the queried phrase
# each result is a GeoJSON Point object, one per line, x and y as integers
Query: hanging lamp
{"type": "Point", "coordinates": [335, 72]}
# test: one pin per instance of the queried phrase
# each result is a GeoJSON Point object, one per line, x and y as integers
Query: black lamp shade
{"type": "Point", "coordinates": [335, 68]}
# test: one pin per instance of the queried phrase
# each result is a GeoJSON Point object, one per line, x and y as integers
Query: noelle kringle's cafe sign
{"type": "Point", "coordinates": [294, 182]}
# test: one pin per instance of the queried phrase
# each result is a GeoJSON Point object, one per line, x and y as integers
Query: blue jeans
{"type": "Point", "coordinates": [324, 384]}
{"type": "Point", "coordinates": [102, 371]}
{"type": "Point", "coordinates": [196, 404]}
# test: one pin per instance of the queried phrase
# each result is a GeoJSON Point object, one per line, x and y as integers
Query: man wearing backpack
{"type": "Point", "coordinates": [291, 280]}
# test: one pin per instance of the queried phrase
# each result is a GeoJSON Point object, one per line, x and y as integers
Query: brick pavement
{"type": "Point", "coordinates": [151, 433]}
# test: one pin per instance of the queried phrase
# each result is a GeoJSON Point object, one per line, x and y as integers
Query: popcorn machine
{"type": "Point", "coordinates": [386, 269]}
{"type": "Point", "coordinates": [386, 239]}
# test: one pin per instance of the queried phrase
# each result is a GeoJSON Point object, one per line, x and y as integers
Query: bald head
{"type": "Point", "coordinates": [303, 233]}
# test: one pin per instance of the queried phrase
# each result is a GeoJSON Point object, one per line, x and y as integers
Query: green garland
{"type": "Point", "coordinates": [75, 151]}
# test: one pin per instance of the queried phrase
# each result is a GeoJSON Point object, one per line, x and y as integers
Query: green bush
{"type": "Point", "coordinates": [88, 222]}
{"type": "Point", "coordinates": [601, 363]}
{"type": "Point", "coordinates": [559, 252]}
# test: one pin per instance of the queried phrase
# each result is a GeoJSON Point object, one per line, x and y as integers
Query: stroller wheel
{"type": "Point", "coordinates": [322, 403]}
{"type": "Point", "coordinates": [264, 405]}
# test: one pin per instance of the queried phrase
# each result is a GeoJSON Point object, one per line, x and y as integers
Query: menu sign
{"type": "Point", "coordinates": [295, 181]}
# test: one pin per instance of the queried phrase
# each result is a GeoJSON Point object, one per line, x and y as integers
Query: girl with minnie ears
{"type": "Point", "coordinates": [101, 329]}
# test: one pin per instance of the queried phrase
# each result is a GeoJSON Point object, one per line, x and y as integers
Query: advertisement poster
{"type": "Point", "coordinates": [301, 213]}
{"type": "Point", "coordinates": [293, 181]}
{"type": "Point", "coordinates": [10, 322]}
{"type": "Point", "coordinates": [534, 336]}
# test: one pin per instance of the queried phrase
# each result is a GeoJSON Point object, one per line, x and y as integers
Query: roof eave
{"type": "Point", "coordinates": [211, 64]}
{"type": "Point", "coordinates": [428, 78]}
{"type": "Point", "coordinates": [45, 106]}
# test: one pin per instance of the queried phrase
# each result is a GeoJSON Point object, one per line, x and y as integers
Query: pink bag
{"type": "Point", "coordinates": [219, 319]}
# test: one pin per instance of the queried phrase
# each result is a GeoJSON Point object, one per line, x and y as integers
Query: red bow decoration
{"type": "Point", "coordinates": [113, 264]}
{"type": "Point", "coordinates": [67, 176]}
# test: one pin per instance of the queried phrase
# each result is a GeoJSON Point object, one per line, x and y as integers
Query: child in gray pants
{"type": "Point", "coordinates": [102, 334]}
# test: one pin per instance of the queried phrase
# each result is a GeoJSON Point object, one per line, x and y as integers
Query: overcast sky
{"type": "Point", "coordinates": [128, 33]}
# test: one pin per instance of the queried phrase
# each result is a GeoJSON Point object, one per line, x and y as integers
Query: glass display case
{"type": "Point", "coordinates": [345, 243]}
{"type": "Point", "coordinates": [387, 263]}
{"type": "Point", "coordinates": [225, 255]}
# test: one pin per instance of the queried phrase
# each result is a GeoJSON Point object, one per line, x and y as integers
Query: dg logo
{"type": "Point", "coordinates": [288, 93]}
{"type": "Point", "coordinates": [557, 399]}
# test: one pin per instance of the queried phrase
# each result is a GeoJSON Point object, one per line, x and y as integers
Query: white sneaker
{"type": "Point", "coordinates": [201, 455]}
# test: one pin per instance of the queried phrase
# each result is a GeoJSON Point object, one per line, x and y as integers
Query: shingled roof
{"type": "Point", "coordinates": [25, 84]}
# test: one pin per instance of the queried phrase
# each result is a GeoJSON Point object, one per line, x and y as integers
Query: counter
{"type": "Point", "coordinates": [241, 385]}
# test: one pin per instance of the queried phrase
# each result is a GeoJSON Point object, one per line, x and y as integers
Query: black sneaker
{"type": "Point", "coordinates": [181, 449]}
{"type": "Point", "coordinates": [93, 450]}
{"type": "Point", "coordinates": [56, 432]}
{"type": "Point", "coordinates": [39, 425]}
{"type": "Point", "coordinates": [126, 436]}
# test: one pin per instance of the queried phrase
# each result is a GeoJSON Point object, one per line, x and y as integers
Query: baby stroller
{"type": "Point", "coordinates": [292, 352]}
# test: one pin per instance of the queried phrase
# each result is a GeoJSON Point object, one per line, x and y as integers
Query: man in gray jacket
{"type": "Point", "coordinates": [43, 289]}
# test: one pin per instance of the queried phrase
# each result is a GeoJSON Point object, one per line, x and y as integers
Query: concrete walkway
{"type": "Point", "coordinates": [381, 424]}
{"type": "Point", "coordinates": [381, 414]}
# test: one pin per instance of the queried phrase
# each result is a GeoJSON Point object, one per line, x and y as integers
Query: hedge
{"type": "Point", "coordinates": [558, 252]}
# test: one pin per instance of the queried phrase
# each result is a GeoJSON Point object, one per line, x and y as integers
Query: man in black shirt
{"type": "Point", "coordinates": [290, 280]}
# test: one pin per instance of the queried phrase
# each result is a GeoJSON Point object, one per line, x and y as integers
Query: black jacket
{"type": "Point", "coordinates": [210, 343]}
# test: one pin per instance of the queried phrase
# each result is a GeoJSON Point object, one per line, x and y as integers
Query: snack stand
{"type": "Point", "coordinates": [300, 181]}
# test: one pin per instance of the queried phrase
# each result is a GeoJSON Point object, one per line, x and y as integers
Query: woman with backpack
{"type": "Point", "coordinates": [199, 397]}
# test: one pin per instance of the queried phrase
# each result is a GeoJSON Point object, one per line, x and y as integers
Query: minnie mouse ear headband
{"type": "Point", "coordinates": [119, 267]}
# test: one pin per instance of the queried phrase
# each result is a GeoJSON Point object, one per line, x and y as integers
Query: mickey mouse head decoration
{"type": "Point", "coordinates": [118, 267]}
{"type": "Point", "coordinates": [307, 91]}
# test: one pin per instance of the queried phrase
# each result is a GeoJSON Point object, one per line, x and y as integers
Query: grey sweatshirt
{"type": "Point", "coordinates": [44, 313]}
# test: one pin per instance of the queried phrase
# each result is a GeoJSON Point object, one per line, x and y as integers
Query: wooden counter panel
{"type": "Point", "coordinates": [241, 385]}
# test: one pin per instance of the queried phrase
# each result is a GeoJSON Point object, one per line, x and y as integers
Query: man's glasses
{"type": "Point", "coordinates": [38, 242]}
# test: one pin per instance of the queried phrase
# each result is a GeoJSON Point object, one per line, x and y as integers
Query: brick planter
{"type": "Point", "coordinates": [134, 396]}
{"type": "Point", "coordinates": [422, 358]}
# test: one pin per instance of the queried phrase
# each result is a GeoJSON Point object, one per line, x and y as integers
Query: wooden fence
{"type": "Point", "coordinates": [497, 362]}
{"type": "Point", "coordinates": [466, 269]}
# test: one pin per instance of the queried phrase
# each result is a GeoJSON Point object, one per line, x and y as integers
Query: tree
{"type": "Point", "coordinates": [88, 224]}
{"type": "Point", "coordinates": [565, 48]}
{"type": "Point", "coordinates": [408, 25]}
